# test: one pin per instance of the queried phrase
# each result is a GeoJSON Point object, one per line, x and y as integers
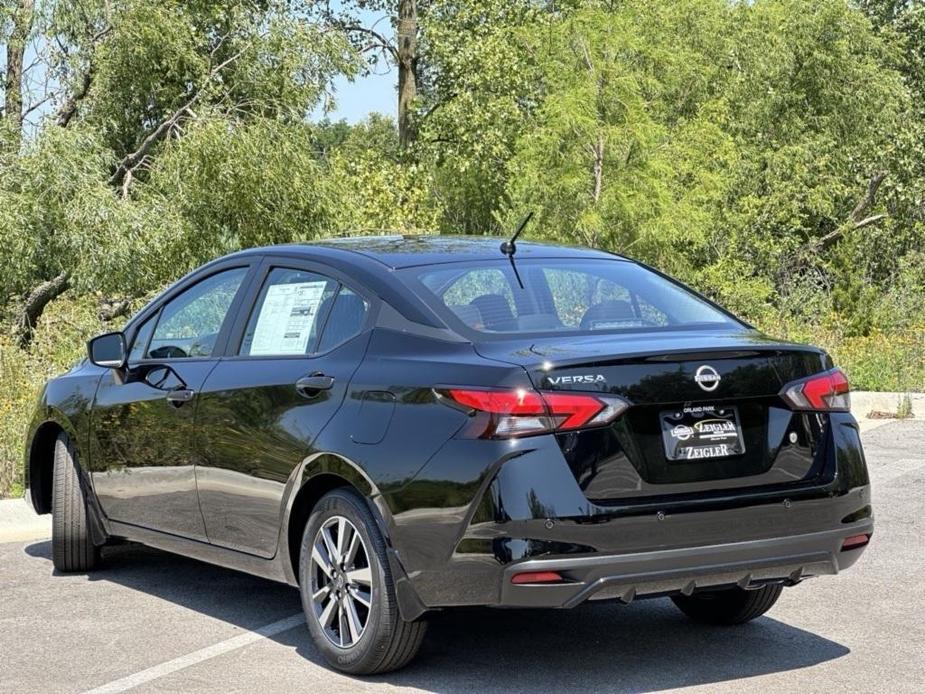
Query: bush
{"type": "Point", "coordinates": [880, 361]}
{"type": "Point", "coordinates": [884, 361]}
{"type": "Point", "coordinates": [59, 342]}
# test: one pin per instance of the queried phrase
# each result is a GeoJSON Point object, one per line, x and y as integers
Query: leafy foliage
{"type": "Point", "coordinates": [771, 153]}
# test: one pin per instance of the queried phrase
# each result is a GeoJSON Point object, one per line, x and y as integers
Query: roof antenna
{"type": "Point", "coordinates": [509, 248]}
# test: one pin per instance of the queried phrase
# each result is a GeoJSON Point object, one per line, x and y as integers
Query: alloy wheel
{"type": "Point", "coordinates": [341, 582]}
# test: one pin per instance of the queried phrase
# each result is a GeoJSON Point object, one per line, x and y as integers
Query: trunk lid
{"type": "Point", "coordinates": [674, 381]}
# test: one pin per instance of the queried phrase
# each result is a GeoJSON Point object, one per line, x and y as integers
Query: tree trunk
{"type": "Point", "coordinates": [69, 108]}
{"type": "Point", "coordinates": [870, 197]}
{"type": "Point", "coordinates": [110, 309]}
{"type": "Point", "coordinates": [597, 150]}
{"type": "Point", "coordinates": [407, 68]}
{"type": "Point", "coordinates": [15, 53]}
{"type": "Point", "coordinates": [856, 219]}
{"type": "Point", "coordinates": [35, 304]}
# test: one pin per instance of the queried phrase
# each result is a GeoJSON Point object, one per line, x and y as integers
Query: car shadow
{"type": "Point", "coordinates": [645, 646]}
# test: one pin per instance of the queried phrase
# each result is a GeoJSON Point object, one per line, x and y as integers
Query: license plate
{"type": "Point", "coordinates": [701, 433]}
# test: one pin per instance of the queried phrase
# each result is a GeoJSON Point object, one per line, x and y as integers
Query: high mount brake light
{"type": "Point", "coordinates": [524, 412]}
{"type": "Point", "coordinates": [825, 392]}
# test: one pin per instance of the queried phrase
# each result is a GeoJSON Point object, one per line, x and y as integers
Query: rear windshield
{"type": "Point", "coordinates": [561, 296]}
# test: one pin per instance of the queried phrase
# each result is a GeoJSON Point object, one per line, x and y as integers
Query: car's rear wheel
{"type": "Point", "coordinates": [347, 590]}
{"type": "Point", "coordinates": [72, 547]}
{"type": "Point", "coordinates": [731, 606]}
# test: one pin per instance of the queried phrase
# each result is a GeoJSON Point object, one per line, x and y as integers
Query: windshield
{"type": "Point", "coordinates": [568, 296]}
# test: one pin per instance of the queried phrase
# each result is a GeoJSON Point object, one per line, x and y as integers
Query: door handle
{"type": "Point", "coordinates": [310, 386]}
{"type": "Point", "coordinates": [180, 396]}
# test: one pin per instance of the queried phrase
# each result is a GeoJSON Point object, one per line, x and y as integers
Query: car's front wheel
{"type": "Point", "coordinates": [730, 606]}
{"type": "Point", "coordinates": [72, 548]}
{"type": "Point", "coordinates": [347, 590]}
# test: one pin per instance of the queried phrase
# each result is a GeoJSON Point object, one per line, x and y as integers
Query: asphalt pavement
{"type": "Point", "coordinates": [152, 622]}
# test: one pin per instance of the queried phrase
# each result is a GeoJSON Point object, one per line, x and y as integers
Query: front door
{"type": "Point", "coordinates": [263, 406]}
{"type": "Point", "coordinates": [142, 460]}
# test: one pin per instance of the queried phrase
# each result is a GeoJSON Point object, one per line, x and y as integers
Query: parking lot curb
{"type": "Point", "coordinates": [863, 403]}
{"type": "Point", "coordinates": [19, 523]}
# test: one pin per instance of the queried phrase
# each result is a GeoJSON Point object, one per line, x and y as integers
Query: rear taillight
{"type": "Point", "coordinates": [525, 412]}
{"type": "Point", "coordinates": [825, 392]}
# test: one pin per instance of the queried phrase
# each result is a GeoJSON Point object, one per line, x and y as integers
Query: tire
{"type": "Point", "coordinates": [382, 641]}
{"type": "Point", "coordinates": [728, 607]}
{"type": "Point", "coordinates": [72, 548]}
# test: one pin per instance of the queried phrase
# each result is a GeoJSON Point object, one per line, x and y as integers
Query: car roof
{"type": "Point", "coordinates": [408, 250]}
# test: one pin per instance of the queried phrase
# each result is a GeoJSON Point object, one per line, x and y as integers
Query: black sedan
{"type": "Point", "coordinates": [397, 425]}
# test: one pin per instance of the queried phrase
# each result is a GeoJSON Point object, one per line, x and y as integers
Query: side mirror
{"type": "Point", "coordinates": [107, 350]}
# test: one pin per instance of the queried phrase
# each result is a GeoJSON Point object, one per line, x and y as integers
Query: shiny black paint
{"type": "Point", "coordinates": [250, 451]}
{"type": "Point", "coordinates": [142, 459]}
{"type": "Point", "coordinates": [142, 441]}
{"type": "Point", "coordinates": [408, 251]}
{"type": "Point", "coordinates": [656, 374]}
{"type": "Point", "coordinates": [255, 427]}
{"type": "Point", "coordinates": [463, 560]}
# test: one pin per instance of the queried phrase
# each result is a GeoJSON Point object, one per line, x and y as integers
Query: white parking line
{"type": "Point", "coordinates": [203, 654]}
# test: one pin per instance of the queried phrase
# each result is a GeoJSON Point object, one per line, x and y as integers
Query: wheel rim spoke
{"type": "Point", "coordinates": [353, 619]}
{"type": "Point", "coordinates": [329, 545]}
{"type": "Point", "coordinates": [350, 557]}
{"type": "Point", "coordinates": [360, 596]}
{"type": "Point", "coordinates": [362, 576]}
{"type": "Point", "coordinates": [341, 623]}
{"type": "Point", "coordinates": [321, 560]}
{"type": "Point", "coordinates": [341, 538]}
{"type": "Point", "coordinates": [328, 613]}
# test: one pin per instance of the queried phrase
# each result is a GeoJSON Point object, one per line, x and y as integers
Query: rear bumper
{"type": "Point", "coordinates": [528, 513]}
{"type": "Point", "coordinates": [683, 570]}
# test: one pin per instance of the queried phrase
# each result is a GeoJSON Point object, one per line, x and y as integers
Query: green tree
{"type": "Point", "coordinates": [137, 77]}
{"type": "Point", "coordinates": [395, 44]}
{"type": "Point", "coordinates": [627, 149]}
{"type": "Point", "coordinates": [478, 86]}
{"type": "Point", "coordinates": [733, 145]}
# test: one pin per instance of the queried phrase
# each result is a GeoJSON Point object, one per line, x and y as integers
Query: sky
{"type": "Point", "coordinates": [375, 93]}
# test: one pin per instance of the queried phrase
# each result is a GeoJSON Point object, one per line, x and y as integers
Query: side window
{"type": "Point", "coordinates": [286, 314]}
{"type": "Point", "coordinates": [348, 315]}
{"type": "Point", "coordinates": [142, 337]}
{"type": "Point", "coordinates": [189, 325]}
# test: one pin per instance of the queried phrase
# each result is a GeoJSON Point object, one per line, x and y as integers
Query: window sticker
{"type": "Point", "coordinates": [286, 318]}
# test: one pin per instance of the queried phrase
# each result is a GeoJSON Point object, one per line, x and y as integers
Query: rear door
{"type": "Point", "coordinates": [285, 374]}
{"type": "Point", "coordinates": [142, 420]}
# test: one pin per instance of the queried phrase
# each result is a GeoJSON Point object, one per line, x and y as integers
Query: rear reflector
{"type": "Point", "coordinates": [523, 412]}
{"type": "Point", "coordinates": [536, 577]}
{"type": "Point", "coordinates": [825, 392]}
{"type": "Point", "coordinates": [854, 542]}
